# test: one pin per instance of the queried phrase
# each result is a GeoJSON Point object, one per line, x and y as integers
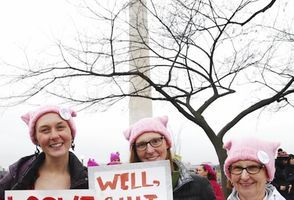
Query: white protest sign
{"type": "Point", "coordinates": [135, 181]}
{"type": "Point", "coordinates": [50, 195]}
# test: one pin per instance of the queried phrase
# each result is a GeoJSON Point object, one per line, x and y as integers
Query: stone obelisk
{"type": "Point", "coordinates": [139, 60]}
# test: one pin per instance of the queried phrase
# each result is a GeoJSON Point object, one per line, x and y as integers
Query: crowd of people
{"type": "Point", "coordinates": [114, 160]}
{"type": "Point", "coordinates": [251, 165]}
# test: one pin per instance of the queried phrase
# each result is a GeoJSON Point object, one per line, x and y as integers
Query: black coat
{"type": "Point", "coordinates": [289, 171]}
{"type": "Point", "coordinates": [23, 174]}
{"type": "Point", "coordinates": [198, 189]}
{"type": "Point", "coordinates": [191, 186]}
{"type": "Point", "coordinates": [280, 177]}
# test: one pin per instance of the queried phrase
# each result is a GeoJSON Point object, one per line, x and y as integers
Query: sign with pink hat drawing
{"type": "Point", "coordinates": [140, 181]}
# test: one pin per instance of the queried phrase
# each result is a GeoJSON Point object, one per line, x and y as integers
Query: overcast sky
{"type": "Point", "coordinates": [32, 25]}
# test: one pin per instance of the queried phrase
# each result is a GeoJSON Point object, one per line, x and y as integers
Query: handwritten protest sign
{"type": "Point", "coordinates": [136, 181]}
{"type": "Point", "coordinates": [50, 195]}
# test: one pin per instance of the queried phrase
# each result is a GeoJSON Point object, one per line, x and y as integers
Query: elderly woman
{"type": "Point", "coordinates": [250, 166]}
{"type": "Point", "coordinates": [207, 171]}
{"type": "Point", "coordinates": [151, 141]}
{"type": "Point", "coordinates": [52, 129]}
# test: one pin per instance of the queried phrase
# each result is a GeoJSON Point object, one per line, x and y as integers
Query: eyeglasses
{"type": "Point", "coordinates": [252, 169]}
{"type": "Point", "coordinates": [155, 142]}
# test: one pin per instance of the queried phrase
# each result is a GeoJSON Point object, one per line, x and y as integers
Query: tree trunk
{"type": "Point", "coordinates": [222, 155]}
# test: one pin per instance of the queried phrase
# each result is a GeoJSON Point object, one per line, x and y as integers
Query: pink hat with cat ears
{"type": "Point", "coordinates": [114, 156]}
{"type": "Point", "coordinates": [66, 114]}
{"type": "Point", "coordinates": [249, 148]}
{"type": "Point", "coordinates": [156, 124]}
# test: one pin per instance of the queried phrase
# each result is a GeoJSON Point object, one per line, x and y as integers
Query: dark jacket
{"type": "Point", "coordinates": [289, 171]}
{"type": "Point", "coordinates": [23, 174]}
{"type": "Point", "coordinates": [191, 186]}
{"type": "Point", "coordinates": [280, 178]}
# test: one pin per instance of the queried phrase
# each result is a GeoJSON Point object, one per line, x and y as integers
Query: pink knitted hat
{"type": "Point", "coordinates": [114, 159]}
{"type": "Point", "coordinates": [156, 124]}
{"type": "Point", "coordinates": [31, 118]}
{"type": "Point", "coordinates": [253, 149]}
{"type": "Point", "coordinates": [114, 156]}
{"type": "Point", "coordinates": [92, 163]}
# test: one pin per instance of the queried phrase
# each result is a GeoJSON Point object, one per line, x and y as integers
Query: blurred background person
{"type": "Point", "coordinates": [114, 159]}
{"type": "Point", "coordinates": [208, 172]}
{"type": "Point", "coordinates": [289, 171]}
{"type": "Point", "coordinates": [92, 163]}
{"type": "Point", "coordinates": [280, 179]}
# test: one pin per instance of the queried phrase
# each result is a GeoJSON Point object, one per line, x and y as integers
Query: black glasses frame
{"type": "Point", "coordinates": [259, 167]}
{"type": "Point", "coordinates": [144, 144]}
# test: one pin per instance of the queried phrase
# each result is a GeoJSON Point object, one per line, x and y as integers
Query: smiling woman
{"type": "Point", "coordinates": [53, 130]}
{"type": "Point", "coordinates": [30, 31]}
{"type": "Point", "coordinates": [150, 141]}
{"type": "Point", "coordinates": [250, 166]}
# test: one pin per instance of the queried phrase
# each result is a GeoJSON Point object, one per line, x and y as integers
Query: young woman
{"type": "Point", "coordinates": [151, 141]}
{"type": "Point", "coordinates": [52, 129]}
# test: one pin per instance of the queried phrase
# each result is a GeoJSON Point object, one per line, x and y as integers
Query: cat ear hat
{"type": "Point", "coordinates": [155, 124]}
{"type": "Point", "coordinates": [263, 152]}
{"type": "Point", "coordinates": [32, 117]}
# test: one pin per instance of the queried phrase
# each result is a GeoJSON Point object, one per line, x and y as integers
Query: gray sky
{"type": "Point", "coordinates": [32, 25]}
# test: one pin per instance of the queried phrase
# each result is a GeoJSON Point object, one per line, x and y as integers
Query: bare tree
{"type": "Point", "coordinates": [201, 52]}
